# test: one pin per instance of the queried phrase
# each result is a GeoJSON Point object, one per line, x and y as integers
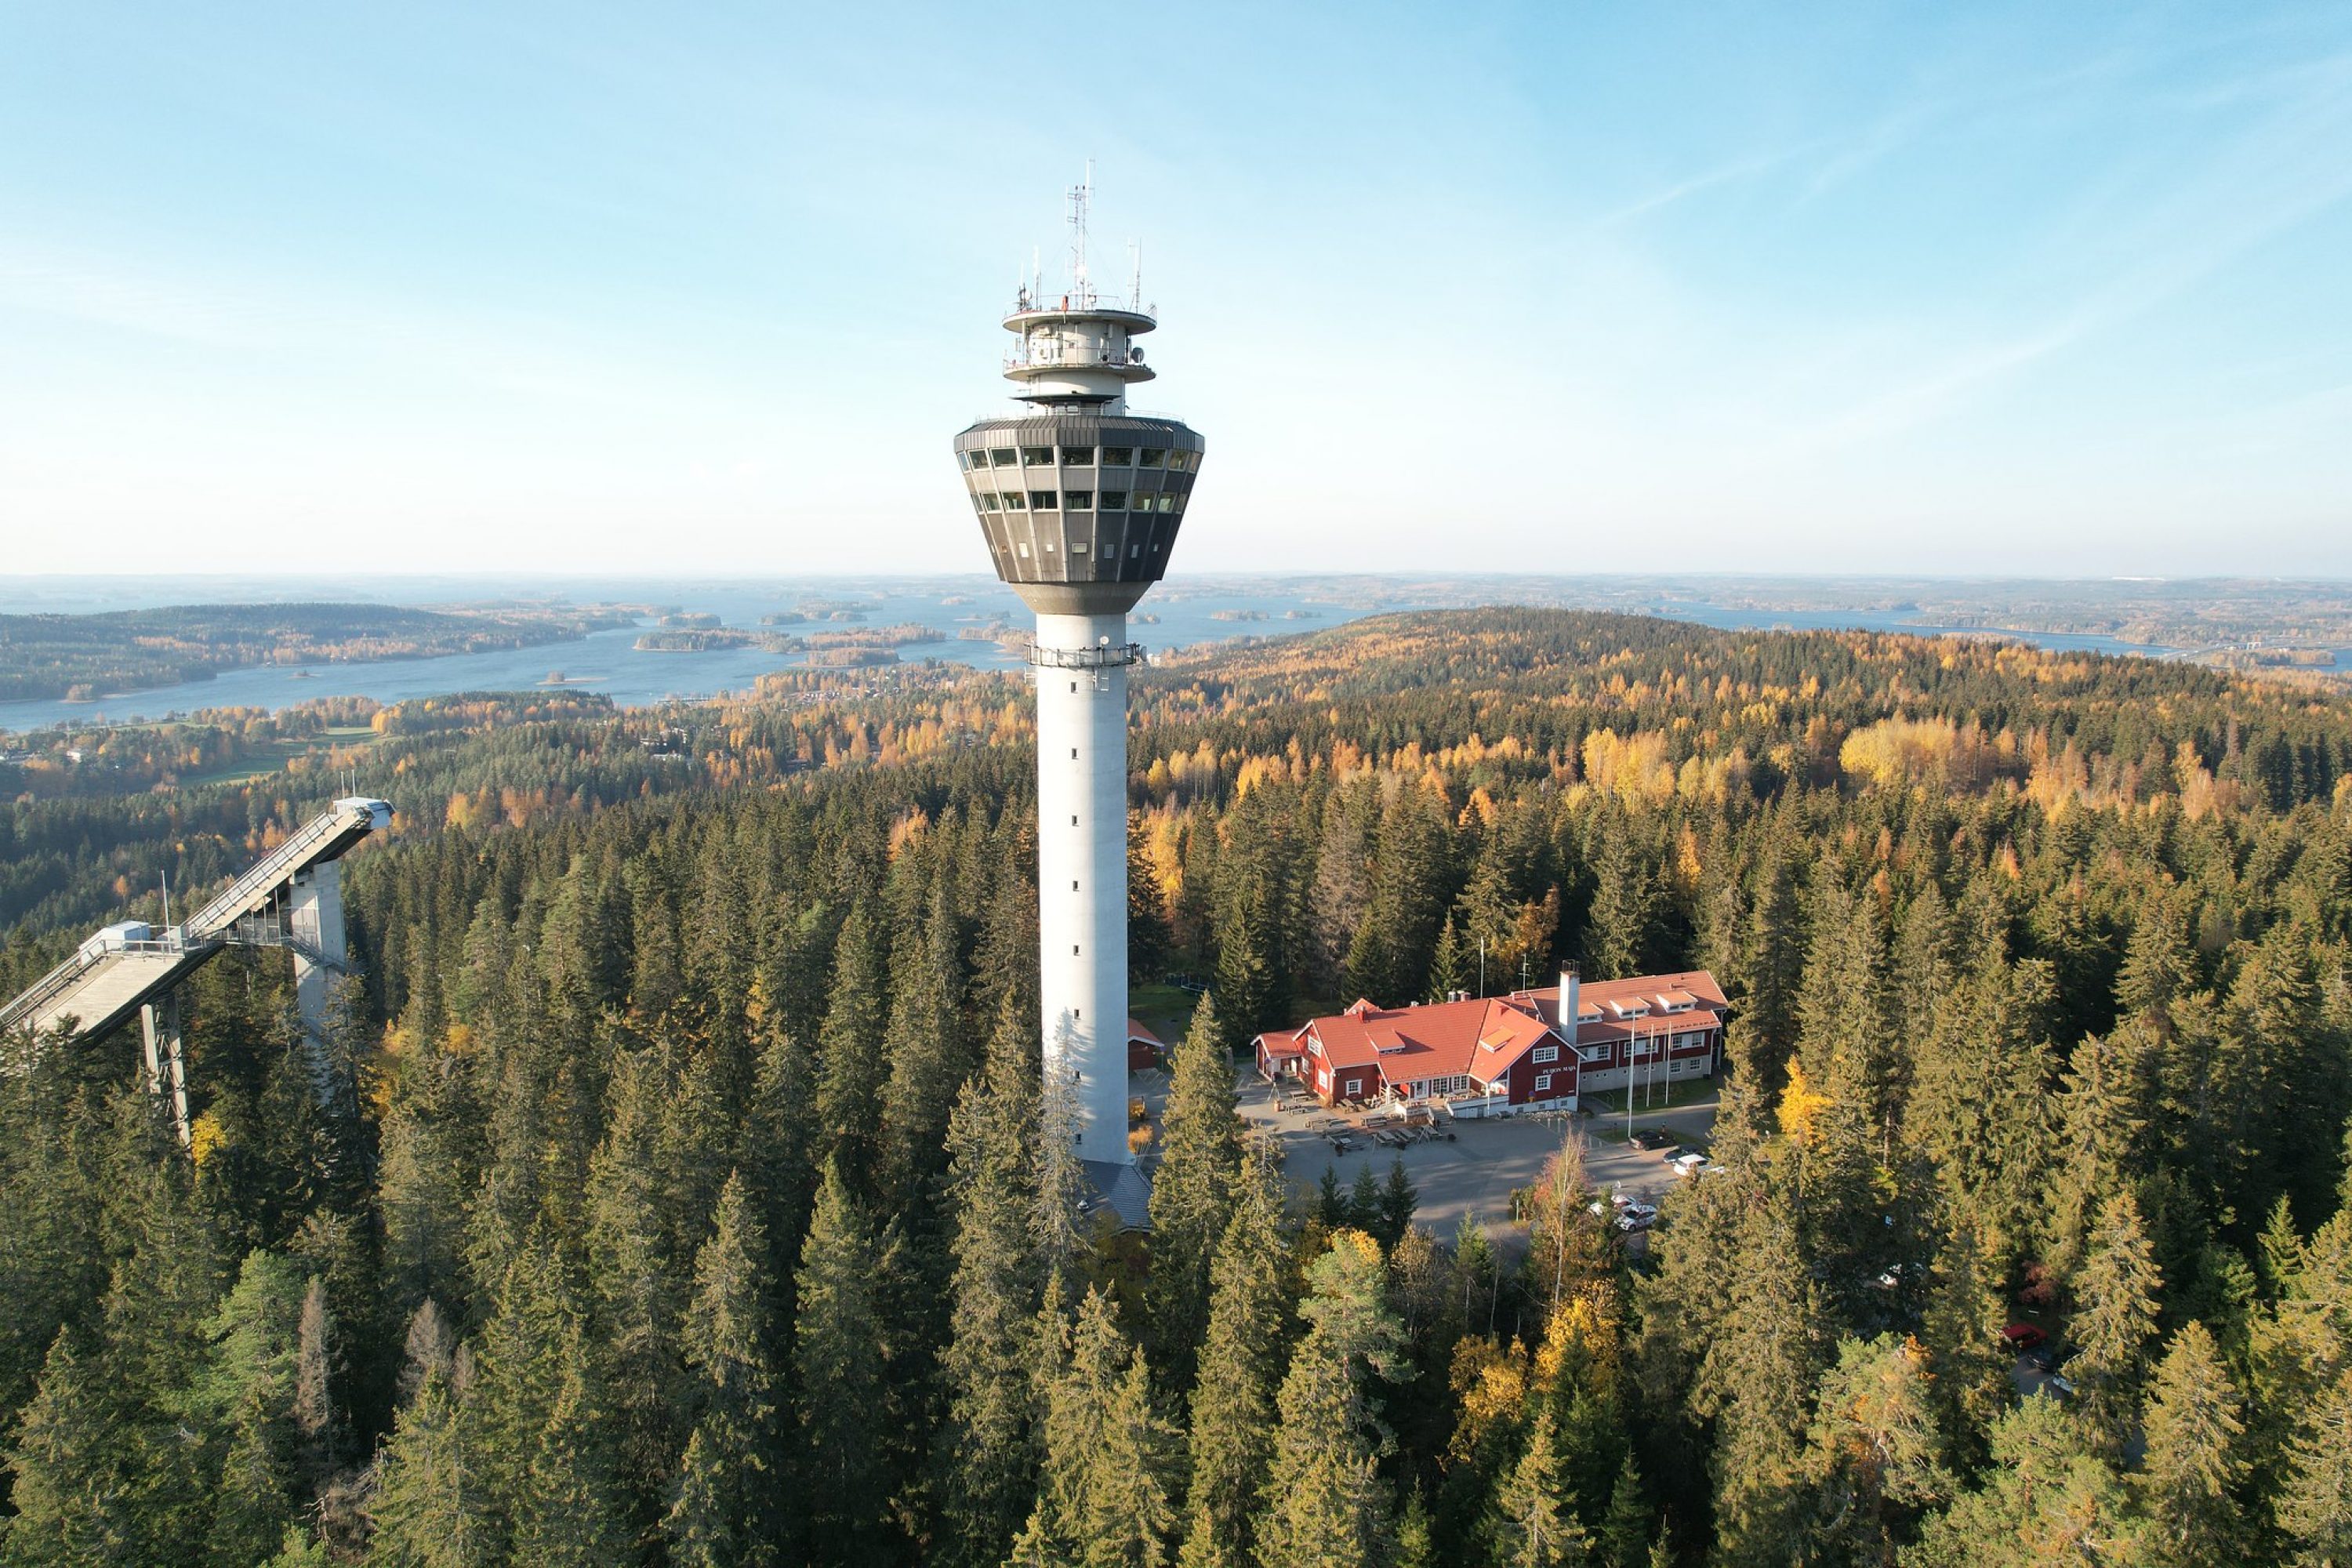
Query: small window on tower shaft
{"type": "Point", "coordinates": [1114, 500]}
{"type": "Point", "coordinates": [1168, 501]}
{"type": "Point", "coordinates": [1044, 500]}
{"type": "Point", "coordinates": [1003, 456]}
{"type": "Point", "coordinates": [988, 500]}
{"type": "Point", "coordinates": [1078, 501]}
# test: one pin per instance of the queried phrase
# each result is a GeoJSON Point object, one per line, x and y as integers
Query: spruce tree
{"type": "Point", "coordinates": [850, 1058]}
{"type": "Point", "coordinates": [2314, 1506]}
{"type": "Point", "coordinates": [2047, 1497]}
{"type": "Point", "coordinates": [2105, 1114]}
{"type": "Point", "coordinates": [1757, 1373]}
{"type": "Point", "coordinates": [524, 1348]}
{"type": "Point", "coordinates": [928, 1056]}
{"type": "Point", "coordinates": [838, 1367]}
{"type": "Point", "coordinates": [75, 1504]}
{"type": "Point", "coordinates": [1102, 1497]}
{"type": "Point", "coordinates": [1324, 1501]}
{"type": "Point", "coordinates": [1233, 1407]}
{"type": "Point", "coordinates": [1398, 1200]}
{"type": "Point", "coordinates": [986, 1453]}
{"type": "Point", "coordinates": [2189, 1479]}
{"type": "Point", "coordinates": [248, 1390]}
{"type": "Point", "coordinates": [1192, 1191]}
{"type": "Point", "coordinates": [1536, 1522]}
{"type": "Point", "coordinates": [724, 1516]}
{"type": "Point", "coordinates": [639, 1294]}
{"type": "Point", "coordinates": [570, 1511]}
{"type": "Point", "coordinates": [2117, 1291]}
{"type": "Point", "coordinates": [1625, 1529]}
{"type": "Point", "coordinates": [431, 1509]}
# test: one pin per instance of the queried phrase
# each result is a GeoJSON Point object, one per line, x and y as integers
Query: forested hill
{"type": "Point", "coordinates": [674, 1194]}
{"type": "Point", "coordinates": [90, 655]}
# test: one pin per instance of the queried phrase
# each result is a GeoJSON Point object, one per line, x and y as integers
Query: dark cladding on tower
{"type": "Point", "coordinates": [1079, 501]}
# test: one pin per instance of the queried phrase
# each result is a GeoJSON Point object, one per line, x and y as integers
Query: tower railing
{"type": "Point", "coordinates": [1102, 657]}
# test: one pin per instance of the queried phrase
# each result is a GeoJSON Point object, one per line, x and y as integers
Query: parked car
{"type": "Point", "coordinates": [1687, 1164]}
{"type": "Point", "coordinates": [1629, 1222]}
{"type": "Point", "coordinates": [2020, 1337]}
{"type": "Point", "coordinates": [1650, 1138]}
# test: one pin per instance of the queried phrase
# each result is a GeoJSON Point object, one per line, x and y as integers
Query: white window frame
{"type": "Point", "coordinates": [1543, 1083]}
{"type": "Point", "coordinates": [1547, 1054]}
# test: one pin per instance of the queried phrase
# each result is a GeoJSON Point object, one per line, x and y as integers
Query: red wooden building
{"type": "Point", "coordinates": [1501, 1055]}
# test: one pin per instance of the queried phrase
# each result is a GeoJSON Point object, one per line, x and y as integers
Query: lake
{"type": "Point", "coordinates": [1183, 613]}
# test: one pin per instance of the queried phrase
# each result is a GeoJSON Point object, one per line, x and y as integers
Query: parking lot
{"type": "Point", "coordinates": [1477, 1168]}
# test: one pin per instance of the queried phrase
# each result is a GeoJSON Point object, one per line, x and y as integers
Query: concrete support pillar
{"type": "Point", "coordinates": [167, 1070]}
{"type": "Point", "coordinates": [1082, 874]}
{"type": "Point", "coordinates": [314, 928]}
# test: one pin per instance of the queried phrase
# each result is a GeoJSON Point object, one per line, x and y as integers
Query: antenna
{"type": "Point", "coordinates": [1135, 254]}
{"type": "Point", "coordinates": [1078, 197]}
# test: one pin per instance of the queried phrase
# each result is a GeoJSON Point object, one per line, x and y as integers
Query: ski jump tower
{"type": "Point", "coordinates": [1080, 500]}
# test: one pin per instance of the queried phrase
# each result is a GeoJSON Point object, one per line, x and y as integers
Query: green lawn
{"type": "Point", "coordinates": [1165, 1009]}
{"type": "Point", "coordinates": [277, 753]}
{"type": "Point", "coordinates": [1663, 1097]}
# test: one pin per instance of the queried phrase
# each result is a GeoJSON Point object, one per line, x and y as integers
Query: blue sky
{"type": "Point", "coordinates": [2032, 288]}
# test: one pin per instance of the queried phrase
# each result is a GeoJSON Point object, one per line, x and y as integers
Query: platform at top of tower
{"type": "Point", "coordinates": [1052, 310]}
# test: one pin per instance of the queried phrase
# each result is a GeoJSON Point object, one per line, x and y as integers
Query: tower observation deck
{"type": "Point", "coordinates": [1080, 502]}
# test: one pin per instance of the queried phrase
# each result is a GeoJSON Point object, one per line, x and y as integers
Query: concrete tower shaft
{"type": "Point", "coordinates": [1080, 502]}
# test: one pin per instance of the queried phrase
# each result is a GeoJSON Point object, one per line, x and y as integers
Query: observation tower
{"type": "Point", "coordinates": [1079, 499]}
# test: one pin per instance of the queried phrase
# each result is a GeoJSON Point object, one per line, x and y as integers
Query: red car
{"type": "Point", "coordinates": [2020, 1337]}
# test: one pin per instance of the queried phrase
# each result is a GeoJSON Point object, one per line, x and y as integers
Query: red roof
{"type": "Point", "coordinates": [1136, 1031]}
{"type": "Point", "coordinates": [1645, 1004]}
{"type": "Point", "coordinates": [1481, 1037]}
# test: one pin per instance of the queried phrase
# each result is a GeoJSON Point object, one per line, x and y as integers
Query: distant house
{"type": "Point", "coordinates": [1497, 1055]}
{"type": "Point", "coordinates": [1144, 1048]}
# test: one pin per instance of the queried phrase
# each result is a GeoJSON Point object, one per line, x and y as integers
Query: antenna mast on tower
{"type": "Point", "coordinates": [1078, 197]}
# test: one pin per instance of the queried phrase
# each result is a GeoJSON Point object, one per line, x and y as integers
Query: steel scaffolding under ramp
{"type": "Point", "coordinates": [292, 897]}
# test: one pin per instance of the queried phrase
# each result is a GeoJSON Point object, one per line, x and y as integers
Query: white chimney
{"type": "Point", "coordinates": [1568, 999]}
